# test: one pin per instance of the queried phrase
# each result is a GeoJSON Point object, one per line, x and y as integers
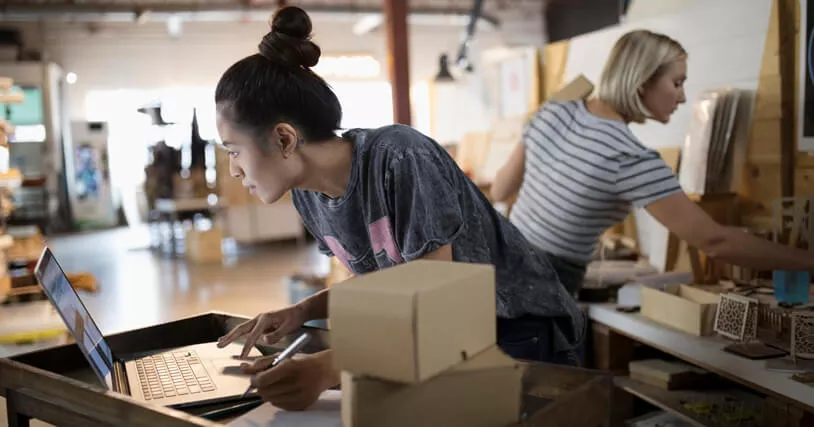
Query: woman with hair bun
{"type": "Point", "coordinates": [580, 168]}
{"type": "Point", "coordinates": [373, 198]}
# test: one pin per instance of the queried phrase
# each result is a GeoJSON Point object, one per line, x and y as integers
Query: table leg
{"type": "Point", "coordinates": [173, 240]}
{"type": "Point", "coordinates": [777, 413]}
{"type": "Point", "coordinates": [612, 352]}
{"type": "Point", "coordinates": [15, 419]}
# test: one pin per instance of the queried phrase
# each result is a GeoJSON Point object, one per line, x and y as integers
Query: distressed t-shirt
{"type": "Point", "coordinates": [407, 197]}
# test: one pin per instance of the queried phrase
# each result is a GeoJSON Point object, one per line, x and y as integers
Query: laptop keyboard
{"type": "Point", "coordinates": [173, 374]}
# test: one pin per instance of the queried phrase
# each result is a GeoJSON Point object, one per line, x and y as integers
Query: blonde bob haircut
{"type": "Point", "coordinates": [636, 59]}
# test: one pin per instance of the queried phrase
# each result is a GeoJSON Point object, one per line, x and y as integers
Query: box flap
{"type": "Point", "coordinates": [414, 276]}
{"type": "Point", "coordinates": [579, 88]}
{"type": "Point", "coordinates": [450, 332]}
{"type": "Point", "coordinates": [492, 357]}
{"type": "Point", "coordinates": [485, 391]}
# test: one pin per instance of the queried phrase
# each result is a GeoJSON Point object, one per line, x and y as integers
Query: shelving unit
{"type": "Point", "coordinates": [711, 408]}
{"type": "Point", "coordinates": [10, 181]}
{"type": "Point", "coordinates": [618, 338]}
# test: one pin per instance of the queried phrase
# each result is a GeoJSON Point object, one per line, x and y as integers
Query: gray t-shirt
{"type": "Point", "coordinates": [406, 197]}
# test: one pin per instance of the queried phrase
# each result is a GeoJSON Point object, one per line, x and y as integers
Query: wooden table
{"type": "Point", "coordinates": [56, 385]}
{"type": "Point", "coordinates": [614, 335]}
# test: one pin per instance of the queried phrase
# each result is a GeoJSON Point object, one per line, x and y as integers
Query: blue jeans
{"type": "Point", "coordinates": [531, 338]}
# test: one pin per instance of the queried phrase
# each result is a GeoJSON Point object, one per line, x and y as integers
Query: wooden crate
{"type": "Point", "coordinates": [682, 307]}
{"type": "Point", "coordinates": [576, 397]}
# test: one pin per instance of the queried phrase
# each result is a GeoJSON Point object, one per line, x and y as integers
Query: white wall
{"type": "Point", "coordinates": [640, 10]}
{"type": "Point", "coordinates": [724, 39]}
{"type": "Point", "coordinates": [144, 56]}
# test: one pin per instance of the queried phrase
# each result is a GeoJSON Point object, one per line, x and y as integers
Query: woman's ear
{"type": "Point", "coordinates": [286, 138]}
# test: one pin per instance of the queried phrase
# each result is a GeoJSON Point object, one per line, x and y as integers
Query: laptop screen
{"type": "Point", "coordinates": [76, 316]}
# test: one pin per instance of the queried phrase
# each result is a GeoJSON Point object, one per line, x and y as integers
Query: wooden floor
{"type": "Point", "coordinates": [139, 287]}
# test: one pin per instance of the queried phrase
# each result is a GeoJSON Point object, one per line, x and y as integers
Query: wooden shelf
{"type": "Point", "coordinates": [676, 402]}
{"type": "Point", "coordinates": [706, 353]}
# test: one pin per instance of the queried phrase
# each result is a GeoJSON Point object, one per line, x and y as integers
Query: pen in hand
{"type": "Point", "coordinates": [290, 351]}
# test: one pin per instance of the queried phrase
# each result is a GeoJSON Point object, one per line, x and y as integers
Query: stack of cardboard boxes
{"type": "Point", "coordinates": [416, 344]}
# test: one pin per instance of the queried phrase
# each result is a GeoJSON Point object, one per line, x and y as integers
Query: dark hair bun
{"type": "Point", "coordinates": [289, 40]}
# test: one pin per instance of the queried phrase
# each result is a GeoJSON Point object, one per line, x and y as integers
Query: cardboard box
{"type": "Point", "coordinates": [204, 246]}
{"type": "Point", "coordinates": [485, 391]}
{"type": "Point", "coordinates": [682, 307]}
{"type": "Point", "coordinates": [410, 322]}
{"type": "Point", "coordinates": [579, 88]}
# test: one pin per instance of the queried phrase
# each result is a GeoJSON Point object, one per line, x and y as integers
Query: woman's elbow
{"type": "Point", "coordinates": [498, 193]}
{"type": "Point", "coordinates": [505, 186]}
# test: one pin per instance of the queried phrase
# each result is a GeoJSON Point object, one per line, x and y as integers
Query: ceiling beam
{"type": "Point", "coordinates": [93, 12]}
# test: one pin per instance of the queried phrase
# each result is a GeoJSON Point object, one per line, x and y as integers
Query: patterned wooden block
{"type": "Point", "coordinates": [802, 335]}
{"type": "Point", "coordinates": [736, 317]}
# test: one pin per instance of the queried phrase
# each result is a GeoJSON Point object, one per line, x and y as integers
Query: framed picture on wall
{"type": "Point", "coordinates": [806, 78]}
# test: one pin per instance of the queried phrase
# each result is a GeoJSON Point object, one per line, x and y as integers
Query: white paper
{"type": "Point", "coordinates": [695, 153]}
{"type": "Point", "coordinates": [326, 412]}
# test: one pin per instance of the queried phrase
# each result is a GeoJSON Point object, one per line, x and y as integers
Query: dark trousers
{"type": "Point", "coordinates": [571, 273]}
{"type": "Point", "coordinates": [531, 338]}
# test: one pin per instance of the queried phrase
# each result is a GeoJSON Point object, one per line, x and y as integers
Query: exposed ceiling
{"type": "Point", "coordinates": [133, 10]}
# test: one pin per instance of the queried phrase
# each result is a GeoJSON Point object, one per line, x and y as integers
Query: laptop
{"type": "Point", "coordinates": [180, 377]}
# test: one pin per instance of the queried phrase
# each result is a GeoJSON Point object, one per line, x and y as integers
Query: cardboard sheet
{"type": "Point", "coordinates": [324, 413]}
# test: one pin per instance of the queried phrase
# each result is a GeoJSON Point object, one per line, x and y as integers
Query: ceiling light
{"type": "Point", "coordinates": [174, 25]}
{"type": "Point", "coordinates": [368, 23]}
{"type": "Point", "coordinates": [444, 75]}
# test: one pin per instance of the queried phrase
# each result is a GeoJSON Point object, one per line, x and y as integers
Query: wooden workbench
{"type": "Point", "coordinates": [615, 334]}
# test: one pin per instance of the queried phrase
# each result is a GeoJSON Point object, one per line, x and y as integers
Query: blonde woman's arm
{"type": "Point", "coordinates": [510, 177]}
{"type": "Point", "coordinates": [690, 223]}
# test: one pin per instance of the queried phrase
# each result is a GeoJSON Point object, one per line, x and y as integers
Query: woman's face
{"type": "Point", "coordinates": [267, 168]}
{"type": "Point", "coordinates": [663, 95]}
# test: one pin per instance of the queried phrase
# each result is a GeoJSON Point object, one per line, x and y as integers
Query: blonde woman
{"type": "Point", "coordinates": [579, 168]}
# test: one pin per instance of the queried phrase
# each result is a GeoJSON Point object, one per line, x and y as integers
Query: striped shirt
{"type": "Point", "coordinates": [582, 175]}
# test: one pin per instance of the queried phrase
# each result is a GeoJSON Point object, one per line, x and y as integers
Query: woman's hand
{"type": "Point", "coordinates": [296, 383]}
{"type": "Point", "coordinates": [271, 326]}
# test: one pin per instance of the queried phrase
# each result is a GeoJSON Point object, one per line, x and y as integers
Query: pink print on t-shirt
{"type": "Point", "coordinates": [381, 239]}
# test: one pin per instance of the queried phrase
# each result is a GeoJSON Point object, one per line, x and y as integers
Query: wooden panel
{"type": "Point", "coordinates": [767, 99]}
{"type": "Point", "coordinates": [763, 175]}
{"type": "Point", "coordinates": [804, 181]}
{"type": "Point", "coordinates": [765, 139]}
{"type": "Point", "coordinates": [762, 184]}
{"type": "Point", "coordinates": [771, 61]}
{"type": "Point", "coordinates": [555, 59]}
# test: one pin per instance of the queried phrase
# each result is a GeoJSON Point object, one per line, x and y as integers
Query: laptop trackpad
{"type": "Point", "coordinates": [229, 367]}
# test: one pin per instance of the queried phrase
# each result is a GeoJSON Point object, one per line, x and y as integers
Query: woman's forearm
{"type": "Point", "coordinates": [315, 307]}
{"type": "Point", "coordinates": [744, 249]}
